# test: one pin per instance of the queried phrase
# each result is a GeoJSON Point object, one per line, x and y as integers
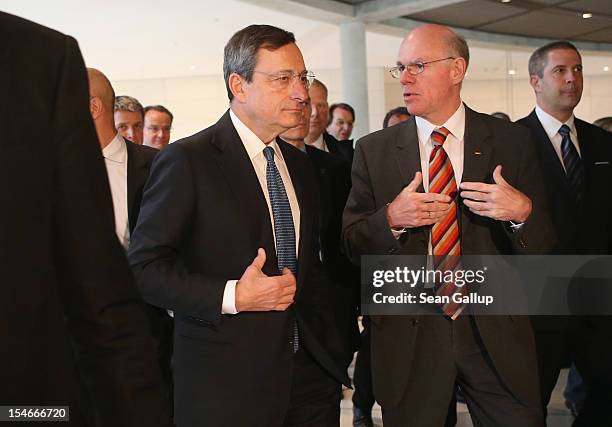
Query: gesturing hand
{"type": "Point", "coordinates": [411, 209]}
{"type": "Point", "coordinates": [257, 292]}
{"type": "Point", "coordinates": [499, 201]}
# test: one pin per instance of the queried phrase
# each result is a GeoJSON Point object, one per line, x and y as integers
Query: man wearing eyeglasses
{"type": "Point", "coordinates": [157, 126]}
{"type": "Point", "coordinates": [434, 184]}
{"type": "Point", "coordinates": [227, 239]}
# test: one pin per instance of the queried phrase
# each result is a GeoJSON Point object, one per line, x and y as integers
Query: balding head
{"type": "Point", "coordinates": [101, 105]}
{"type": "Point", "coordinates": [435, 60]}
{"type": "Point", "coordinates": [441, 38]}
{"type": "Point", "coordinates": [100, 87]}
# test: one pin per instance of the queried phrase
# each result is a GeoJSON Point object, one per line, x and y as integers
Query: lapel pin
{"type": "Point", "coordinates": [477, 153]}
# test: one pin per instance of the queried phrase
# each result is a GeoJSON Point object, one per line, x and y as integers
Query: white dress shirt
{"type": "Point", "coordinates": [320, 144]}
{"type": "Point", "coordinates": [116, 159]}
{"type": "Point", "coordinates": [254, 147]}
{"type": "Point", "coordinates": [552, 126]}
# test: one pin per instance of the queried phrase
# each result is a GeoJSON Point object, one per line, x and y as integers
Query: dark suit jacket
{"type": "Point", "coordinates": [594, 235]}
{"type": "Point", "coordinates": [344, 149]}
{"type": "Point", "coordinates": [385, 162]}
{"type": "Point", "coordinates": [202, 218]}
{"type": "Point", "coordinates": [140, 158]}
{"type": "Point", "coordinates": [334, 181]}
{"type": "Point", "coordinates": [72, 325]}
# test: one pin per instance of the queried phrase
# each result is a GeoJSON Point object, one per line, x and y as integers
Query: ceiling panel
{"type": "Point", "coordinates": [463, 15]}
{"type": "Point", "coordinates": [543, 2]}
{"type": "Point", "coordinates": [547, 24]}
{"type": "Point", "coordinates": [594, 6]}
{"type": "Point", "coordinates": [604, 35]}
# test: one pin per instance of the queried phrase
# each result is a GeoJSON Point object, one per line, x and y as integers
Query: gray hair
{"type": "Point", "coordinates": [604, 123]}
{"type": "Point", "coordinates": [459, 47]}
{"type": "Point", "coordinates": [539, 58]}
{"type": "Point", "coordinates": [128, 103]}
{"type": "Point", "coordinates": [240, 53]}
{"type": "Point", "coordinates": [319, 83]}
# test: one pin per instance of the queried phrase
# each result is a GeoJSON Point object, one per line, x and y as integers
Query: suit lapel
{"type": "Point", "coordinates": [240, 175]}
{"type": "Point", "coordinates": [136, 177]}
{"type": "Point", "coordinates": [408, 162]}
{"type": "Point", "coordinates": [408, 158]}
{"type": "Point", "coordinates": [477, 154]}
{"type": "Point", "coordinates": [549, 156]}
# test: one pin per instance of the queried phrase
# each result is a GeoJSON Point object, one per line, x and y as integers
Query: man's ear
{"type": "Point", "coordinates": [458, 70]}
{"type": "Point", "coordinates": [237, 85]}
{"type": "Point", "coordinates": [95, 107]}
{"type": "Point", "coordinates": [535, 81]}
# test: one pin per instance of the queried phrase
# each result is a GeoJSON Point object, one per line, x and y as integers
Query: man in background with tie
{"type": "Point", "coordinates": [227, 239]}
{"type": "Point", "coordinates": [404, 201]}
{"type": "Point", "coordinates": [576, 160]}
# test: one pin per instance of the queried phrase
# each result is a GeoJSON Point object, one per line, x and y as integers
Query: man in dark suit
{"type": "Point", "coordinates": [73, 327]}
{"type": "Point", "coordinates": [317, 136]}
{"type": "Point", "coordinates": [334, 184]}
{"type": "Point", "coordinates": [416, 359]}
{"type": "Point", "coordinates": [127, 166]}
{"type": "Point", "coordinates": [576, 158]}
{"type": "Point", "coordinates": [227, 240]}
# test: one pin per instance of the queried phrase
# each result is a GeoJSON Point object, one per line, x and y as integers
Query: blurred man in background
{"type": "Point", "coordinates": [157, 126]}
{"type": "Point", "coordinates": [129, 118]}
{"type": "Point", "coordinates": [341, 121]}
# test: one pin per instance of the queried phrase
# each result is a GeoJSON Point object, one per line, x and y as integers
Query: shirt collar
{"type": "Point", "coordinates": [551, 125]}
{"type": "Point", "coordinates": [253, 145]}
{"type": "Point", "coordinates": [319, 142]}
{"type": "Point", "coordinates": [116, 151]}
{"type": "Point", "coordinates": [455, 125]}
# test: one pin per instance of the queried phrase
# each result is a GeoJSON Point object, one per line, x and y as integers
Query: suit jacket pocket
{"type": "Point", "coordinates": [192, 327]}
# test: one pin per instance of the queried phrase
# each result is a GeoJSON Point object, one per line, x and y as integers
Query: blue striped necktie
{"type": "Point", "coordinates": [283, 223]}
{"type": "Point", "coordinates": [572, 163]}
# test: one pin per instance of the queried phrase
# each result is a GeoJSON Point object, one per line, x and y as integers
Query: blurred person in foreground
{"type": "Point", "coordinates": [72, 324]}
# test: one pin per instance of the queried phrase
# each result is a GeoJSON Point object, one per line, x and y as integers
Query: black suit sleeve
{"type": "Point", "coordinates": [104, 313]}
{"type": "Point", "coordinates": [366, 230]}
{"type": "Point", "coordinates": [156, 248]}
{"type": "Point", "coordinates": [537, 235]}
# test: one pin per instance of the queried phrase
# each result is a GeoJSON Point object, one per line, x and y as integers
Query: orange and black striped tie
{"type": "Point", "coordinates": [445, 237]}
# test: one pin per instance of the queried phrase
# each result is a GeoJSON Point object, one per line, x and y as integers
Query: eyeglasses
{"type": "Point", "coordinates": [156, 129]}
{"type": "Point", "coordinates": [284, 79]}
{"type": "Point", "coordinates": [414, 68]}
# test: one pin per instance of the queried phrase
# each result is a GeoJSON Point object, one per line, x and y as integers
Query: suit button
{"type": "Point", "coordinates": [522, 243]}
{"type": "Point", "coordinates": [414, 321]}
{"type": "Point", "coordinates": [391, 251]}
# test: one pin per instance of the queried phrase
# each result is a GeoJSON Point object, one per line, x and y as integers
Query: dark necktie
{"type": "Point", "coordinates": [445, 238]}
{"type": "Point", "coordinates": [283, 223]}
{"type": "Point", "coordinates": [572, 163]}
